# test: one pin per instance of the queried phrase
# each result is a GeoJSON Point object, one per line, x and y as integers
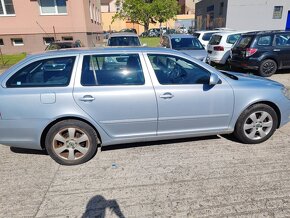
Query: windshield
{"type": "Point", "coordinates": [186, 44]}
{"type": "Point", "coordinates": [124, 41]}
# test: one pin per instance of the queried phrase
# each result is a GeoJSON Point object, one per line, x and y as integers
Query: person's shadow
{"type": "Point", "coordinates": [97, 206]}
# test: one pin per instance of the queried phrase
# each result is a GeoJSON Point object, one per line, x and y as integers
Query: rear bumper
{"type": "Point", "coordinates": [245, 64]}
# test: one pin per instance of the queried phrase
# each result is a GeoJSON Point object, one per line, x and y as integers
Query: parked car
{"type": "Point", "coordinates": [63, 45]}
{"type": "Point", "coordinates": [72, 101]}
{"type": "Point", "coordinates": [204, 36]}
{"type": "Point", "coordinates": [154, 32]}
{"type": "Point", "coordinates": [185, 43]}
{"type": "Point", "coordinates": [265, 52]}
{"type": "Point", "coordinates": [220, 45]}
{"type": "Point", "coordinates": [123, 39]}
{"type": "Point", "coordinates": [128, 30]}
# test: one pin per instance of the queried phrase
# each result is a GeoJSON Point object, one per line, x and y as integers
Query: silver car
{"type": "Point", "coordinates": [70, 102]}
{"type": "Point", "coordinates": [185, 43]}
{"type": "Point", "coordinates": [123, 39]}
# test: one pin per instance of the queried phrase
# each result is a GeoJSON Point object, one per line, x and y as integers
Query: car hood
{"type": "Point", "coordinates": [198, 54]}
{"type": "Point", "coordinates": [249, 78]}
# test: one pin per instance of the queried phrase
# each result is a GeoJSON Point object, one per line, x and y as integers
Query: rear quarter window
{"type": "Point", "coordinates": [215, 40]}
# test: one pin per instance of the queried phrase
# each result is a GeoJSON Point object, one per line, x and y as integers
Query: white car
{"type": "Point", "coordinates": [204, 36]}
{"type": "Point", "coordinates": [220, 45]}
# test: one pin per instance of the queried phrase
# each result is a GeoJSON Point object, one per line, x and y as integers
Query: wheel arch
{"type": "Point", "coordinates": [46, 129]}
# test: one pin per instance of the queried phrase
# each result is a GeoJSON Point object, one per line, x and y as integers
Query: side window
{"type": "Point", "coordinates": [110, 70]}
{"type": "Point", "coordinates": [171, 70]}
{"type": "Point", "coordinates": [43, 73]}
{"type": "Point", "coordinates": [282, 40]}
{"type": "Point", "coordinates": [265, 41]}
{"type": "Point", "coordinates": [165, 42]}
{"type": "Point", "coordinates": [233, 38]}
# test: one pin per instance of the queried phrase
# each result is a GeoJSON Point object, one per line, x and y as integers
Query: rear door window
{"type": "Point", "coordinates": [112, 70]}
{"type": "Point", "coordinates": [215, 40]}
{"type": "Point", "coordinates": [43, 73]}
{"type": "Point", "coordinates": [265, 41]}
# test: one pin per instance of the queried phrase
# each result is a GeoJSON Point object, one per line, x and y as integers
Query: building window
{"type": "Point", "coordinates": [52, 7]}
{"type": "Point", "coordinates": [1, 42]}
{"type": "Point", "coordinates": [221, 8]}
{"type": "Point", "coordinates": [48, 40]}
{"type": "Point", "coordinates": [278, 10]}
{"type": "Point", "coordinates": [67, 38]}
{"type": "Point", "coordinates": [17, 42]}
{"type": "Point", "coordinates": [6, 7]}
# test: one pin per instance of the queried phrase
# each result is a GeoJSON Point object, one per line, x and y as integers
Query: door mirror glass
{"type": "Point", "coordinates": [214, 79]}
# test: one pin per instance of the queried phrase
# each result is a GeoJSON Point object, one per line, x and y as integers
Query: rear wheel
{"type": "Point", "coordinates": [256, 124]}
{"type": "Point", "coordinates": [71, 142]}
{"type": "Point", "coordinates": [267, 68]}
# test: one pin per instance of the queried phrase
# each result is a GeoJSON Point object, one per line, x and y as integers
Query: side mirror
{"type": "Point", "coordinates": [214, 79]}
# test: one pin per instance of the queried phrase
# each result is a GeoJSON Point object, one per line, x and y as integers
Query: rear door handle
{"type": "Point", "coordinates": [277, 50]}
{"type": "Point", "coordinates": [87, 98]}
{"type": "Point", "coordinates": [166, 95]}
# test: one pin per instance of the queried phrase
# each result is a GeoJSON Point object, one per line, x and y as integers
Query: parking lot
{"type": "Point", "coordinates": [198, 177]}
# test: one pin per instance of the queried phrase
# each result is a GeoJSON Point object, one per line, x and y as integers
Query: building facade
{"type": "Point", "coordinates": [29, 26]}
{"type": "Point", "coordinates": [243, 14]}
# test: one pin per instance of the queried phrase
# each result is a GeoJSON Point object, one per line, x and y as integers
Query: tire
{"type": "Point", "coordinates": [267, 68]}
{"type": "Point", "coordinates": [256, 124]}
{"type": "Point", "coordinates": [71, 142]}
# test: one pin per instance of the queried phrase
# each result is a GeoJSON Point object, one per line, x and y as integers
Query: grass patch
{"type": "Point", "coordinates": [150, 41]}
{"type": "Point", "coordinates": [9, 60]}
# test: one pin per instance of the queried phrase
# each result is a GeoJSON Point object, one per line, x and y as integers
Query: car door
{"type": "Point", "coordinates": [116, 91]}
{"type": "Point", "coordinates": [186, 101]}
{"type": "Point", "coordinates": [282, 48]}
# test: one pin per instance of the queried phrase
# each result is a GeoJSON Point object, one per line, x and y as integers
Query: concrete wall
{"type": "Point", "coordinates": [256, 15]}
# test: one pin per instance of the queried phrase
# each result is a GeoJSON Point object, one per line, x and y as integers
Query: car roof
{"type": "Point", "coordinates": [123, 34]}
{"type": "Point", "coordinates": [208, 31]}
{"type": "Point", "coordinates": [101, 50]}
{"type": "Point", "coordinates": [179, 36]}
{"type": "Point", "coordinates": [266, 32]}
{"type": "Point", "coordinates": [231, 33]}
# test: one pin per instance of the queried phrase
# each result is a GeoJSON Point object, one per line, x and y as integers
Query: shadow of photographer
{"type": "Point", "coordinates": [97, 206]}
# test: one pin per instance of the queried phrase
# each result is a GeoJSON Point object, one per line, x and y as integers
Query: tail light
{"type": "Point", "coordinates": [250, 51]}
{"type": "Point", "coordinates": [218, 48]}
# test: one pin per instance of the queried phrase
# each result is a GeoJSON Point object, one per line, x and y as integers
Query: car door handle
{"type": "Point", "coordinates": [277, 50]}
{"type": "Point", "coordinates": [87, 98]}
{"type": "Point", "coordinates": [166, 95]}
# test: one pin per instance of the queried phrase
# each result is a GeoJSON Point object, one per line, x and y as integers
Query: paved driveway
{"type": "Point", "coordinates": [201, 177]}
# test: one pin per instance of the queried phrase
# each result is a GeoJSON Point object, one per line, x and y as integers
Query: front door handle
{"type": "Point", "coordinates": [87, 98]}
{"type": "Point", "coordinates": [166, 95]}
{"type": "Point", "coordinates": [277, 49]}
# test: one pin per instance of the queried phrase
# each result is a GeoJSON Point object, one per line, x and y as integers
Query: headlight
{"type": "Point", "coordinates": [286, 92]}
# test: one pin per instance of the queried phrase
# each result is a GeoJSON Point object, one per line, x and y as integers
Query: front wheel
{"type": "Point", "coordinates": [71, 142]}
{"type": "Point", "coordinates": [256, 124]}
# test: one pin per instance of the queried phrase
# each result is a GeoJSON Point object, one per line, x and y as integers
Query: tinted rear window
{"type": "Point", "coordinates": [233, 38]}
{"type": "Point", "coordinates": [206, 36]}
{"type": "Point", "coordinates": [196, 34]}
{"type": "Point", "coordinates": [215, 40]}
{"type": "Point", "coordinates": [244, 42]}
{"type": "Point", "coordinates": [186, 44]}
{"type": "Point", "coordinates": [124, 41]}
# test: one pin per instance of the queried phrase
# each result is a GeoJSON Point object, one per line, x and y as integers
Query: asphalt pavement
{"type": "Point", "coordinates": [198, 177]}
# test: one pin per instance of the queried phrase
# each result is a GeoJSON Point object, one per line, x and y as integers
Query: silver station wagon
{"type": "Point", "coordinates": [70, 102]}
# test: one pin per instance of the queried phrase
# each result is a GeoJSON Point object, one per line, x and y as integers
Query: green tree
{"type": "Point", "coordinates": [145, 12]}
